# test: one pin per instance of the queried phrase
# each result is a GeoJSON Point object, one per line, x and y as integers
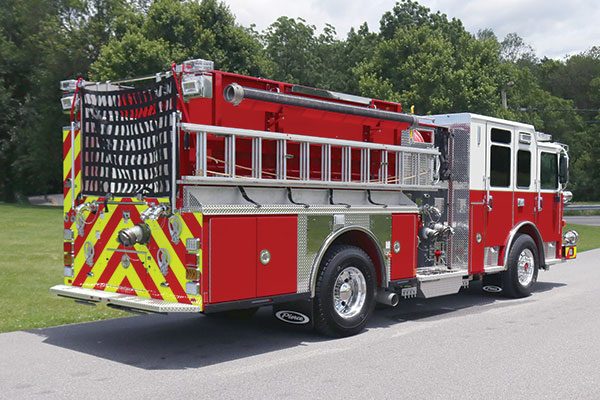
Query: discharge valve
{"type": "Point", "coordinates": [140, 233]}
{"type": "Point", "coordinates": [137, 234]}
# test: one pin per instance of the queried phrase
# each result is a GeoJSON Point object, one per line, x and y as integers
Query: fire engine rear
{"type": "Point", "coordinates": [198, 190]}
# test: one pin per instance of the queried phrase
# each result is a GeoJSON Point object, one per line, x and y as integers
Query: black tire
{"type": "Point", "coordinates": [336, 261]}
{"type": "Point", "coordinates": [511, 285]}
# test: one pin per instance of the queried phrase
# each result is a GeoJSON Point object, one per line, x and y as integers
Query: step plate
{"type": "Point", "coordinates": [123, 300]}
{"type": "Point", "coordinates": [439, 285]}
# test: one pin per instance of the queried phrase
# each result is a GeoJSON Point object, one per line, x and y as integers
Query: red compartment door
{"type": "Point", "coordinates": [404, 231]}
{"type": "Point", "coordinates": [278, 236]}
{"type": "Point", "coordinates": [232, 258]}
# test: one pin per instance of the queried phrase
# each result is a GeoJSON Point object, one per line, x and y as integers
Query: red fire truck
{"type": "Point", "coordinates": [198, 190]}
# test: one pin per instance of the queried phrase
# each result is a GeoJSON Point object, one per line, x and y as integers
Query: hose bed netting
{"type": "Point", "coordinates": [126, 140]}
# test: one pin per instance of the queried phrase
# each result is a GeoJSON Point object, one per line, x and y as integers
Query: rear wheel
{"type": "Point", "coordinates": [345, 292]}
{"type": "Point", "coordinates": [522, 272]}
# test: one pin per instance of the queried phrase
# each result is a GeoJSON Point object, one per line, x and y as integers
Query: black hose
{"type": "Point", "coordinates": [235, 93]}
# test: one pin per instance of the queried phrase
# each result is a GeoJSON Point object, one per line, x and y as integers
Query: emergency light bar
{"type": "Point", "coordinates": [543, 137]}
{"type": "Point", "coordinates": [197, 65]}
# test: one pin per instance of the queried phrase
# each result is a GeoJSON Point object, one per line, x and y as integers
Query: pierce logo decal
{"type": "Point", "coordinates": [292, 317]}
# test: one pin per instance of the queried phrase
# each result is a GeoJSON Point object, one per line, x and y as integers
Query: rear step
{"type": "Point", "coordinates": [123, 300]}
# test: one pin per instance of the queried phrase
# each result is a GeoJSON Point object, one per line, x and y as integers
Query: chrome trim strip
{"type": "Point", "coordinates": [494, 269]}
{"type": "Point", "coordinates": [248, 181]}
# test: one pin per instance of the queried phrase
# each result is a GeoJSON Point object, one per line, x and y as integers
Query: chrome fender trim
{"type": "Point", "coordinates": [511, 236]}
{"type": "Point", "coordinates": [330, 240]}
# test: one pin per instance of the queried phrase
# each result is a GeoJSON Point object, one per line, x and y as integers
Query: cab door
{"type": "Point", "coordinates": [525, 194]}
{"type": "Point", "coordinates": [499, 183]}
{"type": "Point", "coordinates": [548, 211]}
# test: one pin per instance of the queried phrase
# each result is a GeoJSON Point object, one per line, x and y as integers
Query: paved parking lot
{"type": "Point", "coordinates": [470, 345]}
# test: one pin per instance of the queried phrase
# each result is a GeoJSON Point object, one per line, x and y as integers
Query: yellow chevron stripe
{"type": "Point", "coordinates": [162, 240]}
{"type": "Point", "coordinates": [67, 168]}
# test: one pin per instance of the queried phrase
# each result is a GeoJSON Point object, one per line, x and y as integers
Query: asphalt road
{"type": "Point", "coordinates": [467, 346]}
{"type": "Point", "coordinates": [583, 219]}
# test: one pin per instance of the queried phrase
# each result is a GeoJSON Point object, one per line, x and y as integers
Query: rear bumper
{"type": "Point", "coordinates": [123, 300]}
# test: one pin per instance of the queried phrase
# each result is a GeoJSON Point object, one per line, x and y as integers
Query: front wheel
{"type": "Point", "coordinates": [345, 292]}
{"type": "Point", "coordinates": [522, 272]}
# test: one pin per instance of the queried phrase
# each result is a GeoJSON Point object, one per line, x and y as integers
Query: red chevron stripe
{"type": "Point", "coordinates": [171, 278]}
{"type": "Point", "coordinates": [67, 144]}
{"type": "Point", "coordinates": [115, 260]}
{"type": "Point", "coordinates": [192, 224]}
{"type": "Point", "coordinates": [77, 169]}
{"type": "Point", "coordinates": [125, 287]}
{"type": "Point", "coordinates": [146, 279]}
{"type": "Point", "coordinates": [109, 270]}
{"type": "Point", "coordinates": [107, 234]}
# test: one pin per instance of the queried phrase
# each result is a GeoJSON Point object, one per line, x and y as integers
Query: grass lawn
{"type": "Point", "coordinates": [31, 262]}
{"type": "Point", "coordinates": [589, 236]}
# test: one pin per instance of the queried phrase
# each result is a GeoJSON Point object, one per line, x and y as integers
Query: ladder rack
{"type": "Point", "coordinates": [415, 168]}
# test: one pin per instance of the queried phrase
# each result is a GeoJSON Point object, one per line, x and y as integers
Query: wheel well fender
{"type": "Point", "coordinates": [354, 236]}
{"type": "Point", "coordinates": [529, 229]}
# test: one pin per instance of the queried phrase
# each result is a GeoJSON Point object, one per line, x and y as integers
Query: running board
{"type": "Point", "coordinates": [123, 300]}
{"type": "Point", "coordinates": [441, 284]}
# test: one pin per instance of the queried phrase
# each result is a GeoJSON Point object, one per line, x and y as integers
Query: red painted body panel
{"type": "Point", "coordinates": [233, 262]}
{"type": "Point", "coordinates": [404, 230]}
{"type": "Point", "coordinates": [495, 225]}
{"type": "Point", "coordinates": [476, 226]}
{"type": "Point", "coordinates": [528, 211]}
{"type": "Point", "coordinates": [549, 218]}
{"type": "Point", "coordinates": [279, 236]}
{"type": "Point", "coordinates": [258, 115]}
{"type": "Point", "coordinates": [232, 258]}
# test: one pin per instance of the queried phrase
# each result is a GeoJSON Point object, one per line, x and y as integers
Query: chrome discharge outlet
{"type": "Point", "coordinates": [137, 234]}
{"type": "Point", "coordinates": [91, 206]}
{"type": "Point", "coordinates": [155, 212]}
{"type": "Point", "coordinates": [387, 298]}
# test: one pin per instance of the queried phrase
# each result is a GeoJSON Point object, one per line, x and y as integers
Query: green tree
{"type": "Point", "coordinates": [432, 62]}
{"type": "Point", "coordinates": [173, 30]}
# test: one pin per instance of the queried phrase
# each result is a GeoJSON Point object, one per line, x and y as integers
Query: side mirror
{"type": "Point", "coordinates": [563, 169]}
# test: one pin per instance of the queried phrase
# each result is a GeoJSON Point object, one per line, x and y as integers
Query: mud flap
{"type": "Point", "coordinates": [298, 314]}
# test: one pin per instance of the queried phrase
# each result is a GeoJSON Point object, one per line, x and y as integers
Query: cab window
{"type": "Point", "coordinates": [500, 154]}
{"type": "Point", "coordinates": [549, 171]}
{"type": "Point", "coordinates": [523, 169]}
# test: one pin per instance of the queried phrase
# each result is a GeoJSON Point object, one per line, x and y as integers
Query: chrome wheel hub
{"type": "Point", "coordinates": [349, 292]}
{"type": "Point", "coordinates": [525, 267]}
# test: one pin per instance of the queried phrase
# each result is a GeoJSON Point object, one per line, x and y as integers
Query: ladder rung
{"type": "Point", "coordinates": [305, 161]}
{"type": "Point", "coordinates": [257, 158]}
{"type": "Point", "coordinates": [383, 167]}
{"type": "Point", "coordinates": [281, 172]}
{"type": "Point", "coordinates": [326, 163]}
{"type": "Point", "coordinates": [230, 155]}
{"type": "Point", "coordinates": [365, 165]}
{"type": "Point", "coordinates": [201, 154]}
{"type": "Point", "coordinates": [346, 164]}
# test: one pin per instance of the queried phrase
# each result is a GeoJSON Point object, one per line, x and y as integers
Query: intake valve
{"type": "Point", "coordinates": [137, 234]}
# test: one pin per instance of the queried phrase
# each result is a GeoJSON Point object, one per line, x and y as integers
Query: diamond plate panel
{"type": "Point", "coordinates": [304, 261]}
{"type": "Point", "coordinates": [458, 196]}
